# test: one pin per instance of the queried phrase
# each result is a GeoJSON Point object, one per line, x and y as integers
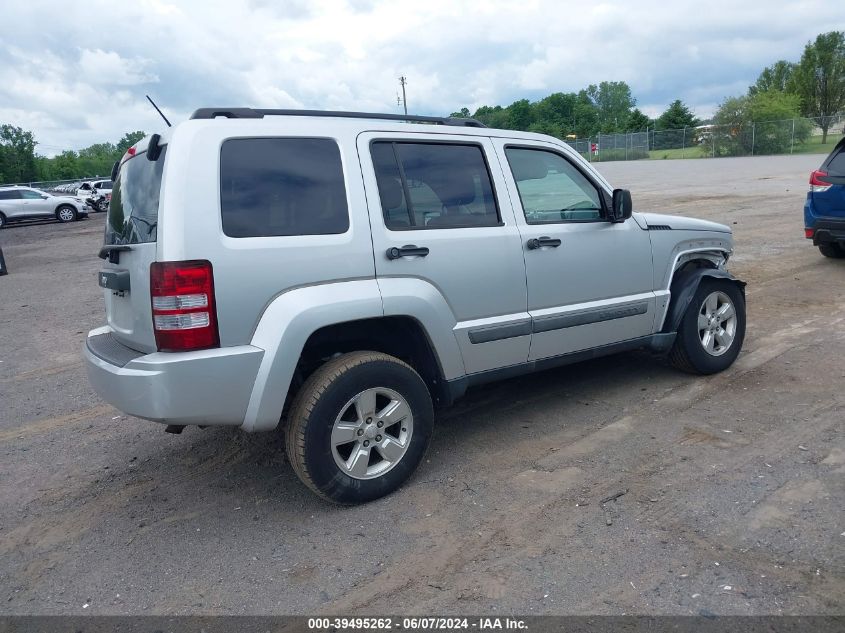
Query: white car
{"type": "Point", "coordinates": [102, 187]}
{"type": "Point", "coordinates": [85, 190]}
{"type": "Point", "coordinates": [22, 203]}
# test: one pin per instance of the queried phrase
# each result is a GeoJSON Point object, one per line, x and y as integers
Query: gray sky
{"type": "Point", "coordinates": [77, 76]}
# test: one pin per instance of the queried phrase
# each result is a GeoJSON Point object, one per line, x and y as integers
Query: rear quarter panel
{"type": "Point", "coordinates": [250, 272]}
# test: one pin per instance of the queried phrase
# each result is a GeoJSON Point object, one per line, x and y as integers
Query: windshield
{"type": "Point", "coordinates": [133, 211]}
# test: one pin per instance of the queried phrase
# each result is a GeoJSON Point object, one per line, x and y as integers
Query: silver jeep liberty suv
{"type": "Point", "coordinates": [346, 274]}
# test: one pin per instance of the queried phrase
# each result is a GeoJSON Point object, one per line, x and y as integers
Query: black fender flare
{"type": "Point", "coordinates": [683, 287]}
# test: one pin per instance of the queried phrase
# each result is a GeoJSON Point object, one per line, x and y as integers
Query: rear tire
{"type": "Point", "coordinates": [66, 213]}
{"type": "Point", "coordinates": [834, 251]}
{"type": "Point", "coordinates": [2, 221]}
{"type": "Point", "coordinates": [359, 427]}
{"type": "Point", "coordinates": [712, 329]}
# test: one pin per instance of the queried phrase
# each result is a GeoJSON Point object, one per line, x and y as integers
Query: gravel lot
{"type": "Point", "coordinates": [734, 501]}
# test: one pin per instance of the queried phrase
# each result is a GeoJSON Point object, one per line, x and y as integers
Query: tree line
{"type": "Point", "coordinates": [814, 86]}
{"type": "Point", "coordinates": [20, 162]}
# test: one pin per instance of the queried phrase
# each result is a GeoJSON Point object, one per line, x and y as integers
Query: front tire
{"type": "Point", "coordinates": [359, 427]}
{"type": "Point", "coordinates": [712, 329]}
{"type": "Point", "coordinates": [834, 251]}
{"type": "Point", "coordinates": [66, 213]}
{"type": "Point", "coordinates": [2, 221]}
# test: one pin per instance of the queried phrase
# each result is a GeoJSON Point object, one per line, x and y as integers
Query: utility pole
{"type": "Point", "coordinates": [404, 80]}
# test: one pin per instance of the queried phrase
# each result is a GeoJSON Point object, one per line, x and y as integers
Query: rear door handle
{"type": "Point", "coordinates": [540, 242]}
{"type": "Point", "coordinates": [409, 250]}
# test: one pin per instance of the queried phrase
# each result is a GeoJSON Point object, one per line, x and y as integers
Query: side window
{"type": "Point", "coordinates": [10, 195]}
{"type": "Point", "coordinates": [837, 163]}
{"type": "Point", "coordinates": [434, 185]}
{"type": "Point", "coordinates": [282, 186]}
{"type": "Point", "coordinates": [26, 194]}
{"type": "Point", "coordinates": [551, 188]}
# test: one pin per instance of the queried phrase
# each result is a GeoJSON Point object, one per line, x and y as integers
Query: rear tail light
{"type": "Point", "coordinates": [816, 182]}
{"type": "Point", "coordinates": [808, 233]}
{"type": "Point", "coordinates": [184, 315]}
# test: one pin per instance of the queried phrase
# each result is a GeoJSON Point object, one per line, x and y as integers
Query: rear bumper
{"type": "Point", "coordinates": [206, 387]}
{"type": "Point", "coordinates": [828, 232]}
{"type": "Point", "coordinates": [826, 229]}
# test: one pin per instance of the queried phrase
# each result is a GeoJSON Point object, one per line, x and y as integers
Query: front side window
{"type": "Point", "coordinates": [434, 185]}
{"type": "Point", "coordinates": [28, 194]}
{"type": "Point", "coordinates": [282, 186]}
{"type": "Point", "coordinates": [551, 188]}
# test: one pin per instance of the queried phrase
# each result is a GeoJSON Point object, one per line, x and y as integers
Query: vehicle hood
{"type": "Point", "coordinates": [679, 222]}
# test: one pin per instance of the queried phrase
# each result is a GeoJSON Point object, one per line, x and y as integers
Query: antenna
{"type": "Point", "coordinates": [159, 111]}
{"type": "Point", "coordinates": [403, 80]}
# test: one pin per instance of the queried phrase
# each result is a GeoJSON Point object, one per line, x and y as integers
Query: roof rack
{"type": "Point", "coordinates": [254, 113]}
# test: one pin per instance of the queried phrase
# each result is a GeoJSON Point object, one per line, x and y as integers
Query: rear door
{"type": "Point", "coordinates": [436, 218]}
{"type": "Point", "coordinates": [831, 203]}
{"type": "Point", "coordinates": [130, 239]}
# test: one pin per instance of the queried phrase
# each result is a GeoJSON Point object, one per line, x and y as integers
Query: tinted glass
{"type": "Point", "coordinates": [448, 186]}
{"type": "Point", "coordinates": [133, 212]}
{"type": "Point", "coordinates": [28, 194]}
{"type": "Point", "coordinates": [10, 195]}
{"type": "Point", "coordinates": [282, 186]}
{"type": "Point", "coordinates": [551, 188]}
{"type": "Point", "coordinates": [837, 163]}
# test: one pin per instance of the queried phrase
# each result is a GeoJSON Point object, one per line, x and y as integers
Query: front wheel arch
{"type": "Point", "coordinates": [684, 285]}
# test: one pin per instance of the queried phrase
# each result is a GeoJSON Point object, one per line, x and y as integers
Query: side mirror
{"type": "Point", "coordinates": [622, 207]}
{"type": "Point", "coordinates": [43, 197]}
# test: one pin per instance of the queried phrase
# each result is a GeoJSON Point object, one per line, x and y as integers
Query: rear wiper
{"type": "Point", "coordinates": [107, 249]}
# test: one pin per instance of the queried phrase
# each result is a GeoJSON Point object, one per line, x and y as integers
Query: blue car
{"type": "Point", "coordinates": [824, 211]}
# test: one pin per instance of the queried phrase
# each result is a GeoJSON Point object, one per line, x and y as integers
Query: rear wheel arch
{"type": "Point", "coordinates": [402, 337]}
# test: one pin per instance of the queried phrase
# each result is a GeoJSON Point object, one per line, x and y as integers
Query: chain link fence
{"type": "Point", "coordinates": [53, 185]}
{"type": "Point", "coordinates": [758, 138]}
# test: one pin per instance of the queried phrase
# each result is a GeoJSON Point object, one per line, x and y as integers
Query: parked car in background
{"type": "Point", "coordinates": [24, 203]}
{"type": "Point", "coordinates": [102, 186]}
{"type": "Point", "coordinates": [85, 190]}
{"type": "Point", "coordinates": [824, 210]}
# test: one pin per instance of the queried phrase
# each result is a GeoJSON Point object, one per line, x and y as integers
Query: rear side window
{"type": "Point", "coordinates": [10, 195]}
{"type": "Point", "coordinates": [133, 210]}
{"type": "Point", "coordinates": [434, 186]}
{"type": "Point", "coordinates": [836, 164]}
{"type": "Point", "coordinates": [282, 186]}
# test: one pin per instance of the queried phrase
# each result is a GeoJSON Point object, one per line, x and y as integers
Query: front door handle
{"type": "Point", "coordinates": [540, 242]}
{"type": "Point", "coordinates": [409, 250]}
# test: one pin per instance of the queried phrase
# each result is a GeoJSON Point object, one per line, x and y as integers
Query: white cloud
{"type": "Point", "coordinates": [82, 79]}
{"type": "Point", "coordinates": [109, 68]}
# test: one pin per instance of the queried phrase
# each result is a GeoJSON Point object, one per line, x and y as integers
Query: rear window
{"type": "Point", "coordinates": [836, 163]}
{"type": "Point", "coordinates": [133, 210]}
{"type": "Point", "coordinates": [282, 186]}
